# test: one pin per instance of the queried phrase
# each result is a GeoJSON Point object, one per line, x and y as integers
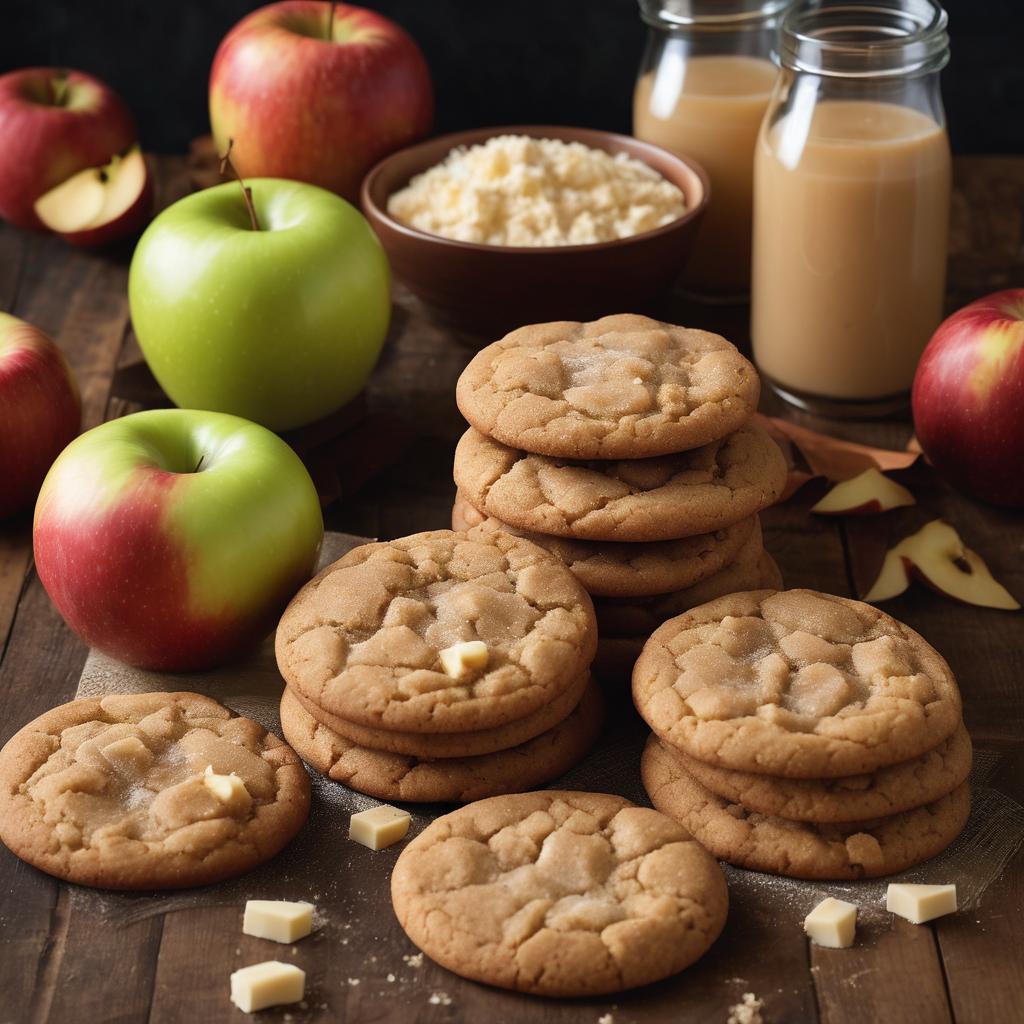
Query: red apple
{"type": "Point", "coordinates": [100, 204]}
{"type": "Point", "coordinates": [172, 539]}
{"type": "Point", "coordinates": [53, 124]}
{"type": "Point", "coordinates": [317, 98]}
{"type": "Point", "coordinates": [40, 410]}
{"type": "Point", "coordinates": [968, 398]}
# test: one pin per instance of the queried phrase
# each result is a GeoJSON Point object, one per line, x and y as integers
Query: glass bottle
{"type": "Point", "coordinates": [704, 85]}
{"type": "Point", "coordinates": [851, 205]}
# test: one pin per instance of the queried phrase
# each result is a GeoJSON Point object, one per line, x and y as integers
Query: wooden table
{"type": "Point", "coordinates": [61, 963]}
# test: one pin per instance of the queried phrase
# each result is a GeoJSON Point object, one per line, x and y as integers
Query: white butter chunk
{"type": "Point", "coordinates": [271, 983]}
{"type": "Point", "coordinates": [461, 659]}
{"type": "Point", "coordinates": [379, 826]}
{"type": "Point", "coordinates": [277, 920]}
{"type": "Point", "coordinates": [832, 923]}
{"type": "Point", "coordinates": [920, 903]}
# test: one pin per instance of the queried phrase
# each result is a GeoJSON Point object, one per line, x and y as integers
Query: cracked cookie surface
{"type": "Point", "coordinates": [653, 499]}
{"type": "Point", "coordinates": [110, 792]}
{"type": "Point", "coordinates": [623, 387]}
{"type": "Point", "coordinates": [899, 787]}
{"type": "Point", "coordinates": [448, 780]}
{"type": "Point", "coordinates": [453, 744]}
{"type": "Point", "coordinates": [362, 640]}
{"type": "Point", "coordinates": [610, 569]}
{"type": "Point", "coordinates": [559, 893]}
{"type": "Point", "coordinates": [866, 849]}
{"type": "Point", "coordinates": [795, 683]}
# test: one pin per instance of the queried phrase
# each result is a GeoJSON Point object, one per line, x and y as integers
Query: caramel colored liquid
{"type": "Point", "coordinates": [850, 241]}
{"type": "Point", "coordinates": [711, 108]}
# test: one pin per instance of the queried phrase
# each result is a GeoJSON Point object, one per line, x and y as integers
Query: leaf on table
{"type": "Point", "coordinates": [827, 456]}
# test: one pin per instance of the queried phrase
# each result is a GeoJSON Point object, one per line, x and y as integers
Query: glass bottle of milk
{"type": "Point", "coordinates": [851, 205]}
{"type": "Point", "coordinates": [703, 88]}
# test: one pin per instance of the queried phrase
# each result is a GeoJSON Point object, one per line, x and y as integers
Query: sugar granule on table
{"type": "Point", "coordinates": [748, 1011]}
{"type": "Point", "coordinates": [413, 959]}
{"type": "Point", "coordinates": [440, 999]}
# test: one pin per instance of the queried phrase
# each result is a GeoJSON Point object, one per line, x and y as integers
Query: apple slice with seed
{"type": "Point", "coordinates": [868, 493]}
{"type": "Point", "coordinates": [100, 204]}
{"type": "Point", "coordinates": [937, 556]}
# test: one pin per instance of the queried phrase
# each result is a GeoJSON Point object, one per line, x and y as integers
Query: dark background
{"type": "Point", "coordinates": [493, 61]}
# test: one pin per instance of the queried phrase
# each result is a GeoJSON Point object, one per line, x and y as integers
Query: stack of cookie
{"type": "Point", "coordinates": [804, 734]}
{"type": "Point", "coordinates": [445, 666]}
{"type": "Point", "coordinates": [624, 446]}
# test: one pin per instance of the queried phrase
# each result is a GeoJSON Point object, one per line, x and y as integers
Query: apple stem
{"type": "Point", "coordinates": [199, 464]}
{"type": "Point", "coordinates": [330, 23]}
{"type": "Point", "coordinates": [226, 164]}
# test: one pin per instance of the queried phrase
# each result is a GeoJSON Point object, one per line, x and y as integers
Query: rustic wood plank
{"type": "Point", "coordinates": [15, 558]}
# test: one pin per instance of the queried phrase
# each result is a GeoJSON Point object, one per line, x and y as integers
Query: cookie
{"type": "Point", "coordinates": [866, 849]}
{"type": "Point", "coordinates": [362, 640]}
{"type": "Point", "coordinates": [453, 744]}
{"type": "Point", "coordinates": [559, 893]}
{"type": "Point", "coordinates": [610, 569]}
{"type": "Point", "coordinates": [795, 683]}
{"type": "Point", "coordinates": [623, 387]}
{"type": "Point", "coordinates": [900, 787]}
{"type": "Point", "coordinates": [654, 499]}
{"type": "Point", "coordinates": [449, 780]}
{"type": "Point", "coordinates": [753, 569]}
{"type": "Point", "coordinates": [110, 792]}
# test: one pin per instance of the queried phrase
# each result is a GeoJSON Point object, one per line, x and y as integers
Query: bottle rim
{"type": "Point", "coordinates": [727, 14]}
{"type": "Point", "coordinates": [880, 39]}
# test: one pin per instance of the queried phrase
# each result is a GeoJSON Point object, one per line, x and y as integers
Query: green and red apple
{"type": "Point", "coordinates": [40, 410]}
{"type": "Point", "coordinates": [317, 92]}
{"type": "Point", "coordinates": [172, 539]}
{"type": "Point", "coordinates": [968, 398]}
{"type": "Point", "coordinates": [53, 124]}
{"type": "Point", "coordinates": [280, 323]}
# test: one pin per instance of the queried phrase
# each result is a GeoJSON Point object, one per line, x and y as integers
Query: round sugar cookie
{"type": "Point", "coordinates": [622, 387]}
{"type": "Point", "coordinates": [864, 849]}
{"type": "Point", "coordinates": [111, 792]}
{"type": "Point", "coordinates": [446, 780]}
{"type": "Point", "coordinates": [899, 787]}
{"type": "Point", "coordinates": [452, 744]}
{"type": "Point", "coordinates": [559, 893]}
{"type": "Point", "coordinates": [363, 639]}
{"type": "Point", "coordinates": [794, 683]}
{"type": "Point", "coordinates": [655, 499]}
{"type": "Point", "coordinates": [611, 569]}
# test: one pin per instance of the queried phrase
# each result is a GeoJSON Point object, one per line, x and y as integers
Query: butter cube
{"type": "Point", "coordinates": [832, 923]}
{"type": "Point", "coordinates": [277, 920]}
{"type": "Point", "coordinates": [229, 790]}
{"type": "Point", "coordinates": [461, 659]}
{"type": "Point", "coordinates": [379, 826]}
{"type": "Point", "coordinates": [271, 983]}
{"type": "Point", "coordinates": [129, 754]}
{"type": "Point", "coordinates": [920, 903]}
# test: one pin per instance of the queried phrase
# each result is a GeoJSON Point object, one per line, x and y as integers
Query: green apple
{"type": "Point", "coordinates": [171, 539]}
{"type": "Point", "coordinates": [280, 324]}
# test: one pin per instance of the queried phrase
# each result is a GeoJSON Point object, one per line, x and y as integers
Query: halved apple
{"type": "Point", "coordinates": [937, 556]}
{"type": "Point", "coordinates": [100, 204]}
{"type": "Point", "coordinates": [868, 493]}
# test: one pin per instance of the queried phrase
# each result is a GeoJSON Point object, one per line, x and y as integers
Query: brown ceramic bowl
{"type": "Point", "coordinates": [491, 289]}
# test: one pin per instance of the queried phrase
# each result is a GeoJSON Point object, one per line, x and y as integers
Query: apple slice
{"type": "Point", "coordinates": [100, 204]}
{"type": "Point", "coordinates": [938, 556]}
{"type": "Point", "coordinates": [868, 493]}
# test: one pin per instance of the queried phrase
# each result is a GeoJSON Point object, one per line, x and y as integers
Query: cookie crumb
{"type": "Point", "coordinates": [440, 999]}
{"type": "Point", "coordinates": [413, 959]}
{"type": "Point", "coordinates": [606, 1019]}
{"type": "Point", "coordinates": [353, 981]}
{"type": "Point", "coordinates": [748, 1011]}
{"type": "Point", "coordinates": [391, 978]}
